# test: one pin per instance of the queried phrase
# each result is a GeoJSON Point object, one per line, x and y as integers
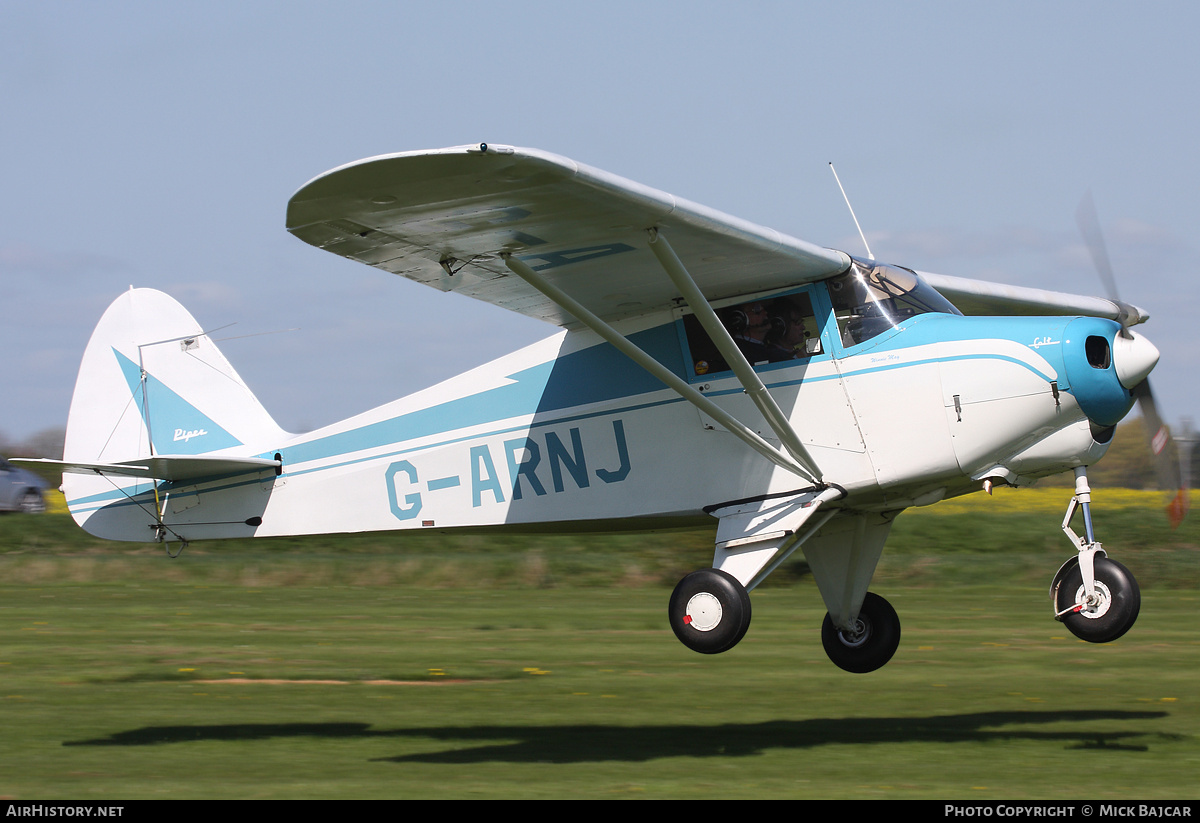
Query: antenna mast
{"type": "Point", "coordinates": [847, 199]}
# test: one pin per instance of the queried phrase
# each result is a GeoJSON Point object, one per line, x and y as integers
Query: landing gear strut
{"type": "Point", "coordinates": [1097, 599]}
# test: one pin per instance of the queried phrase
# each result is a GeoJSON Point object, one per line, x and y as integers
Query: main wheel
{"type": "Point", "coordinates": [1114, 609]}
{"type": "Point", "coordinates": [709, 611]}
{"type": "Point", "coordinates": [874, 640]}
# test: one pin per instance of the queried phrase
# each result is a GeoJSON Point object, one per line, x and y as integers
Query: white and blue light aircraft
{"type": "Point", "coordinates": [708, 371]}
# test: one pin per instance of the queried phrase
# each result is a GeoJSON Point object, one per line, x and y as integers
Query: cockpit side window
{"type": "Point", "coordinates": [770, 330]}
{"type": "Point", "coordinates": [872, 298]}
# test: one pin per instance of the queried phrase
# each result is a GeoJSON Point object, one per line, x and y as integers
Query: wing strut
{"type": "Point", "coordinates": [742, 369]}
{"type": "Point", "coordinates": [673, 381]}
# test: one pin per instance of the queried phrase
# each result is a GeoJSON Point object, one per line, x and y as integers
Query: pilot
{"type": "Point", "coordinates": [789, 338]}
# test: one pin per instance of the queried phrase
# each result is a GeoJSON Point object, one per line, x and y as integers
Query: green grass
{"type": "Point", "coordinates": [465, 667]}
{"type": "Point", "coordinates": [175, 691]}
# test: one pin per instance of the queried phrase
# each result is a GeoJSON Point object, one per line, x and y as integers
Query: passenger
{"type": "Point", "coordinates": [749, 325]}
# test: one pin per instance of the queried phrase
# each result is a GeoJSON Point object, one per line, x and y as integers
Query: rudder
{"type": "Point", "coordinates": [153, 383]}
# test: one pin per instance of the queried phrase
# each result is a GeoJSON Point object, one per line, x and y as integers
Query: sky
{"type": "Point", "coordinates": [157, 144]}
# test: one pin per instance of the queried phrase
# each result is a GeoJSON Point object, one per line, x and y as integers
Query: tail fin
{"type": "Point", "coordinates": [153, 384]}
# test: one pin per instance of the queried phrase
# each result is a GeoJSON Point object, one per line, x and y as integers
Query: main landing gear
{"type": "Point", "coordinates": [710, 613]}
{"type": "Point", "coordinates": [710, 609]}
{"type": "Point", "coordinates": [1097, 599]}
{"type": "Point", "coordinates": [871, 643]}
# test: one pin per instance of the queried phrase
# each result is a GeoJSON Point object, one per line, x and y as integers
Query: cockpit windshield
{"type": "Point", "coordinates": [872, 298]}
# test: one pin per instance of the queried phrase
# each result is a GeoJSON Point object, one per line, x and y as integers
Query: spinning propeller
{"type": "Point", "coordinates": [1166, 464]}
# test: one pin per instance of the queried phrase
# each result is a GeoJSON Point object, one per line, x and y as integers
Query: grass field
{"type": "Point", "coordinates": [464, 667]}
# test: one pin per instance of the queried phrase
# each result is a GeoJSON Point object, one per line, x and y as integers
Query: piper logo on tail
{"type": "Point", "coordinates": [185, 435]}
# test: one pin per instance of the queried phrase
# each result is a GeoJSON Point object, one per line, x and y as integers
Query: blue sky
{"type": "Point", "coordinates": [157, 144]}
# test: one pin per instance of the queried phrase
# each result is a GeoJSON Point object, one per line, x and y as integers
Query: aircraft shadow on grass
{"type": "Point", "coordinates": [594, 743]}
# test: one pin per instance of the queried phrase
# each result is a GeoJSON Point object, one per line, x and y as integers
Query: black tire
{"type": "Point", "coordinates": [32, 502]}
{"type": "Point", "coordinates": [872, 645]}
{"type": "Point", "coordinates": [709, 611]}
{"type": "Point", "coordinates": [1114, 614]}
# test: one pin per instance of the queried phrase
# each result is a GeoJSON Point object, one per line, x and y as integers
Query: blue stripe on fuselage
{"type": "Point", "coordinates": [592, 375]}
{"type": "Point", "coordinates": [1043, 335]}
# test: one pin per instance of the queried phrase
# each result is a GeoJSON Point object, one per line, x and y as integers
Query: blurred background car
{"type": "Point", "coordinates": [20, 489]}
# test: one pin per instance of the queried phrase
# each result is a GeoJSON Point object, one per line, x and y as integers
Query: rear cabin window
{"type": "Point", "coordinates": [772, 330]}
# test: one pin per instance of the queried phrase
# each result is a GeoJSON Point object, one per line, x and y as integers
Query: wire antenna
{"type": "Point", "coordinates": [847, 199]}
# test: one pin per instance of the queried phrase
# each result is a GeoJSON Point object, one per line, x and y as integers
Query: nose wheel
{"type": "Point", "coordinates": [1108, 612]}
{"type": "Point", "coordinates": [870, 643]}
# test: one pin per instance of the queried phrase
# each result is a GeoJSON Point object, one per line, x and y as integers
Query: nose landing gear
{"type": "Point", "coordinates": [1105, 614]}
{"type": "Point", "coordinates": [1097, 599]}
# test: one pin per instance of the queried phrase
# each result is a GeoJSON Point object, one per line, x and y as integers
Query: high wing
{"type": "Point", "coordinates": [983, 297]}
{"type": "Point", "coordinates": [444, 217]}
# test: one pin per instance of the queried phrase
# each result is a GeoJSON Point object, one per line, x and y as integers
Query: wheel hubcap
{"type": "Point", "coordinates": [856, 637]}
{"type": "Point", "coordinates": [1097, 606]}
{"type": "Point", "coordinates": [703, 612]}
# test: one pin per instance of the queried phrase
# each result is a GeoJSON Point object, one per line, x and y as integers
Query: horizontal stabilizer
{"type": "Point", "coordinates": [176, 468]}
